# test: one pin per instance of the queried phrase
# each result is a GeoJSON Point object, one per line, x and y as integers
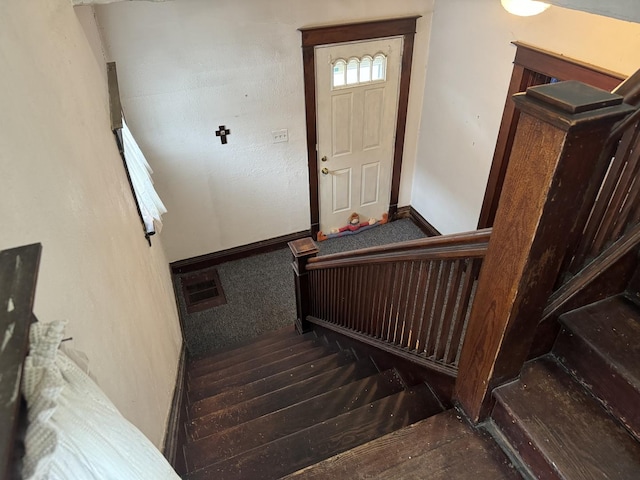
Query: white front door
{"type": "Point", "coordinates": [357, 102]}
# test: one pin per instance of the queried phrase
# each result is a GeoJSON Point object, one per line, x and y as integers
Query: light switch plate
{"type": "Point", "coordinates": [280, 135]}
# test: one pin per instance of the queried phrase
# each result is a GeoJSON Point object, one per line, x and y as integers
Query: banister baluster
{"type": "Point", "coordinates": [359, 317]}
{"type": "Point", "coordinates": [434, 325]}
{"type": "Point", "coordinates": [412, 289]}
{"type": "Point", "coordinates": [416, 319]}
{"type": "Point", "coordinates": [387, 299]}
{"type": "Point", "coordinates": [450, 306]}
{"type": "Point", "coordinates": [368, 299]}
{"type": "Point", "coordinates": [434, 272]}
{"type": "Point", "coordinates": [401, 305]}
{"type": "Point", "coordinates": [607, 233]}
{"type": "Point", "coordinates": [597, 203]}
{"type": "Point", "coordinates": [375, 299]}
{"type": "Point", "coordinates": [351, 273]}
{"type": "Point", "coordinates": [334, 295]}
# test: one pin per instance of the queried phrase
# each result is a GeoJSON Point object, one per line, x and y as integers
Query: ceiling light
{"type": "Point", "coordinates": [524, 8]}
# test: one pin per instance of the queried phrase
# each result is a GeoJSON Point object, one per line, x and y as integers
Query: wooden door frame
{"type": "Point", "coordinates": [352, 32]}
{"type": "Point", "coordinates": [528, 62]}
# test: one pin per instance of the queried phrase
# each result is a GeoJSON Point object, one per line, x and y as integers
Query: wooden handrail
{"type": "Point", "coordinates": [629, 89]}
{"type": "Point", "coordinates": [435, 253]}
{"type": "Point", "coordinates": [453, 240]}
{"type": "Point", "coordinates": [621, 127]}
{"type": "Point", "coordinates": [591, 272]}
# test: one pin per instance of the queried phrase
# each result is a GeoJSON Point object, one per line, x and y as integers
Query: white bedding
{"type": "Point", "coordinates": [74, 431]}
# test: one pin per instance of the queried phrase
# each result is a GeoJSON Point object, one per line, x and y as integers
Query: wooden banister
{"type": "Point", "coordinates": [434, 253]}
{"type": "Point", "coordinates": [562, 130]}
{"type": "Point", "coordinates": [411, 299]}
{"type": "Point", "coordinates": [578, 283]}
{"type": "Point", "coordinates": [629, 89]}
{"type": "Point", "coordinates": [453, 240]}
{"type": "Point", "coordinates": [610, 206]}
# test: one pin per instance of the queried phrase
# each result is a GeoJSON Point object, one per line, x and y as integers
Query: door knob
{"type": "Point", "coordinates": [325, 171]}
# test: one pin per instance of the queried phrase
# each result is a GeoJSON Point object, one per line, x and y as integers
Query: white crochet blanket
{"type": "Point", "coordinates": [74, 431]}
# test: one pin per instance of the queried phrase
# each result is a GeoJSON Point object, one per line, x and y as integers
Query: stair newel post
{"type": "Point", "coordinates": [302, 250]}
{"type": "Point", "coordinates": [562, 129]}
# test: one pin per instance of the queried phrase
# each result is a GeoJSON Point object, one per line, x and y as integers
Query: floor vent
{"type": "Point", "coordinates": [202, 291]}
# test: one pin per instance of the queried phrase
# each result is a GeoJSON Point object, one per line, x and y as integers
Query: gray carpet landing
{"type": "Point", "coordinates": [260, 293]}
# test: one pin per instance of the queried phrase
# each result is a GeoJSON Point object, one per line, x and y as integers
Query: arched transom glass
{"type": "Point", "coordinates": [355, 71]}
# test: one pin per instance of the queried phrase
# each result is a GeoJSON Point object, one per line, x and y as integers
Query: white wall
{"type": "Point", "coordinates": [470, 63]}
{"type": "Point", "coordinates": [187, 66]}
{"type": "Point", "coordinates": [63, 184]}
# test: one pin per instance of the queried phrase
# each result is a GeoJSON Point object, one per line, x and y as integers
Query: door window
{"type": "Point", "coordinates": [357, 71]}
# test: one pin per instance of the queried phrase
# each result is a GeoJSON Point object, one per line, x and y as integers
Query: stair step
{"type": "Point", "coordinates": [265, 385]}
{"type": "Point", "coordinates": [248, 352]}
{"type": "Point", "coordinates": [216, 422]}
{"type": "Point", "coordinates": [264, 339]}
{"type": "Point", "coordinates": [262, 371]}
{"type": "Point", "coordinates": [559, 430]}
{"type": "Point", "coordinates": [324, 439]}
{"type": "Point", "coordinates": [251, 363]}
{"type": "Point", "coordinates": [600, 345]}
{"type": "Point", "coordinates": [442, 447]}
{"type": "Point", "coordinates": [289, 420]}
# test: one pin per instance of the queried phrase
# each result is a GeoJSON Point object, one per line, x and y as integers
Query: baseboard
{"type": "Point", "coordinates": [212, 259]}
{"type": "Point", "coordinates": [175, 436]}
{"type": "Point", "coordinates": [402, 212]}
{"type": "Point", "coordinates": [410, 212]}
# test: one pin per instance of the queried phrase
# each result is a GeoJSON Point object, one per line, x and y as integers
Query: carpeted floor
{"type": "Point", "coordinates": [260, 293]}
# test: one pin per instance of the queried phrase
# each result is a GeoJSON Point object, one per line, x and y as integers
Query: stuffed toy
{"type": "Point", "coordinates": [353, 226]}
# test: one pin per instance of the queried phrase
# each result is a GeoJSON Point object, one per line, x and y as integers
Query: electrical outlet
{"type": "Point", "coordinates": [280, 135]}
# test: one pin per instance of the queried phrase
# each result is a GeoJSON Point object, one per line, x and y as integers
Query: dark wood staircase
{"type": "Point", "coordinates": [574, 414]}
{"type": "Point", "coordinates": [300, 407]}
{"type": "Point", "coordinates": [286, 401]}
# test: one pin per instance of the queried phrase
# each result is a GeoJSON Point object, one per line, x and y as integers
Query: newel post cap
{"type": "Point", "coordinates": [303, 247]}
{"type": "Point", "coordinates": [572, 104]}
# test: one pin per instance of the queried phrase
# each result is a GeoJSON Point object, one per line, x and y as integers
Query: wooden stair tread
{"type": "Point", "coordinates": [600, 345]}
{"type": "Point", "coordinates": [262, 371]}
{"type": "Point", "coordinates": [248, 352]}
{"type": "Point", "coordinates": [251, 363]}
{"type": "Point", "coordinates": [442, 447]}
{"type": "Point", "coordinates": [265, 338]}
{"type": "Point", "coordinates": [471, 457]}
{"type": "Point", "coordinates": [291, 419]}
{"type": "Point", "coordinates": [286, 331]}
{"type": "Point", "coordinates": [559, 430]}
{"type": "Point", "coordinates": [265, 385]}
{"type": "Point", "coordinates": [279, 398]}
{"type": "Point", "coordinates": [324, 439]}
{"type": "Point", "coordinates": [612, 328]}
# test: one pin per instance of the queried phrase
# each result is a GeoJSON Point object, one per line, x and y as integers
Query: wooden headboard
{"type": "Point", "coordinates": [18, 274]}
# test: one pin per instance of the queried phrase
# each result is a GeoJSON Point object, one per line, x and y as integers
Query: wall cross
{"type": "Point", "coordinates": [222, 132]}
